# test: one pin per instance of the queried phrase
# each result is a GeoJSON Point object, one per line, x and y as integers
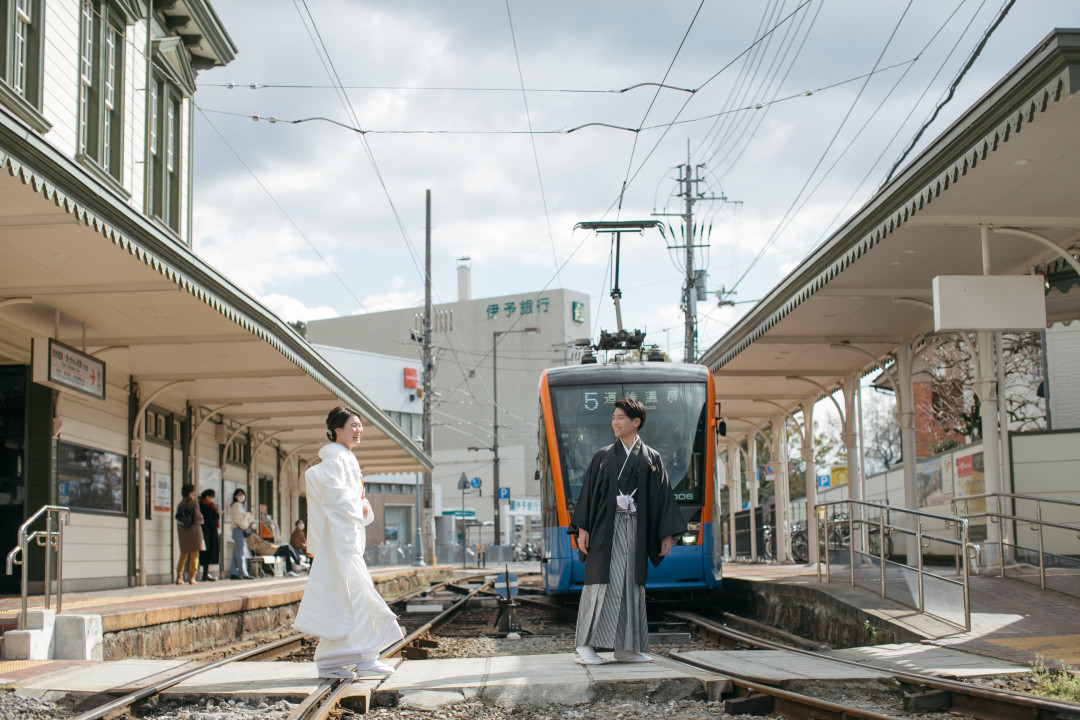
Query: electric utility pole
{"type": "Point", "coordinates": [694, 283]}
{"type": "Point", "coordinates": [429, 379]}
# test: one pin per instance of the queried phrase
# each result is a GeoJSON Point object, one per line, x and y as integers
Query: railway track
{"type": "Point", "coordinates": [923, 693]}
{"type": "Point", "coordinates": [330, 693]}
{"type": "Point", "coordinates": [924, 696]}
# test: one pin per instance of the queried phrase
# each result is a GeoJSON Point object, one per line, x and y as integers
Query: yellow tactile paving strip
{"type": "Point", "coordinates": [1064, 648]}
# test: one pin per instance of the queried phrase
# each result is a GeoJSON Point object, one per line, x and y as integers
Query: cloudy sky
{"type": "Point", "coordinates": [796, 109]}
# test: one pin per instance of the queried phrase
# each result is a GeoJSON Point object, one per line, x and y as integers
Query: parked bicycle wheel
{"type": "Point", "coordinates": [800, 547]}
{"type": "Point", "coordinates": [873, 541]}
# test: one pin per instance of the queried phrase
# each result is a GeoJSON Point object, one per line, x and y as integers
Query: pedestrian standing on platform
{"type": "Point", "coordinates": [626, 516]}
{"type": "Point", "coordinates": [211, 527]}
{"type": "Point", "coordinates": [341, 605]}
{"type": "Point", "coordinates": [240, 519]}
{"type": "Point", "coordinates": [189, 521]}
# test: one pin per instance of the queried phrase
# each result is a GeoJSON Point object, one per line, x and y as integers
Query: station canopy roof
{"type": "Point", "coordinates": [1012, 161]}
{"type": "Point", "coordinates": [152, 310]}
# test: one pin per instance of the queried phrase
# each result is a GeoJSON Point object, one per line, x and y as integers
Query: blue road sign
{"type": "Point", "coordinates": [475, 483]}
{"type": "Point", "coordinates": [504, 493]}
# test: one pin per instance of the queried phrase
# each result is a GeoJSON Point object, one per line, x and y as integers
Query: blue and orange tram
{"type": "Point", "coordinates": [575, 421]}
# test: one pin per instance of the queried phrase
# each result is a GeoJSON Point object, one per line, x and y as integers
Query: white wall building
{"type": "Point", "coordinates": [463, 335]}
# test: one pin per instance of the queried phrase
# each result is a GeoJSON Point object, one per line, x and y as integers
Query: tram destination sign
{"type": "Point", "coordinates": [64, 368]}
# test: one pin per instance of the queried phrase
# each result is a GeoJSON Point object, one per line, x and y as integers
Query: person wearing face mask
{"type": "Point", "coordinates": [241, 525]}
{"type": "Point", "coordinates": [341, 605]}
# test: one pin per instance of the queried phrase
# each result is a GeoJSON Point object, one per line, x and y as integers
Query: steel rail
{"type": "Point", "coordinates": [321, 703]}
{"type": "Point", "coordinates": [967, 698]}
{"type": "Point", "coordinates": [434, 622]}
{"type": "Point", "coordinates": [157, 687]}
{"type": "Point", "coordinates": [785, 702]}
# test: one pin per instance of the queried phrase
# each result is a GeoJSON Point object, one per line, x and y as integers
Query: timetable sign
{"type": "Point", "coordinates": [64, 368]}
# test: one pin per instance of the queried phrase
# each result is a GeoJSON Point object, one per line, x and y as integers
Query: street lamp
{"type": "Point", "coordinates": [495, 424]}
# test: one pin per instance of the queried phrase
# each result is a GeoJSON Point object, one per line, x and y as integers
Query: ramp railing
{"type": "Point", "coordinates": [53, 541]}
{"type": "Point", "coordinates": [864, 534]}
{"type": "Point", "coordinates": [1053, 531]}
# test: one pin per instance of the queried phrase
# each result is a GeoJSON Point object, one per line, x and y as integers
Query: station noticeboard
{"type": "Point", "coordinates": [62, 367]}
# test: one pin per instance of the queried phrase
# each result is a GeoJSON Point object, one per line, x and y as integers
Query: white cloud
{"type": "Point", "coordinates": [290, 309]}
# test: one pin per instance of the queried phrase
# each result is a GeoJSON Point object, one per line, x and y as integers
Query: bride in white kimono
{"type": "Point", "coordinates": [341, 605]}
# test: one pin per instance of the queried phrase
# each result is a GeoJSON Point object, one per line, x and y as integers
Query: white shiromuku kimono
{"type": "Point", "coordinates": [341, 605]}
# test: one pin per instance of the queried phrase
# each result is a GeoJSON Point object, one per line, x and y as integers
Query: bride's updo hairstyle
{"type": "Point", "coordinates": [337, 419]}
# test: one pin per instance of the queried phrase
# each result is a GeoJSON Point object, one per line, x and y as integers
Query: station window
{"type": "Point", "coordinates": [21, 59]}
{"type": "Point", "coordinates": [239, 451]}
{"type": "Point", "coordinates": [101, 87]}
{"type": "Point", "coordinates": [159, 425]}
{"type": "Point", "coordinates": [90, 479]}
{"type": "Point", "coordinates": [163, 177]}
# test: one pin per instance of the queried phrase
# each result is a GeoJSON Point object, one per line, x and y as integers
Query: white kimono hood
{"type": "Point", "coordinates": [340, 597]}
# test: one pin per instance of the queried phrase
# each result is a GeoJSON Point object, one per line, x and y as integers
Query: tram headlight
{"type": "Point", "coordinates": [691, 535]}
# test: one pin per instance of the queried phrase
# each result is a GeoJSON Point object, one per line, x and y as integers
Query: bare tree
{"type": "Point", "coordinates": [881, 432]}
{"type": "Point", "coordinates": [955, 407]}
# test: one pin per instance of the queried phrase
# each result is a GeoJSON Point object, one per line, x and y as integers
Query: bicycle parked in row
{"type": "Point", "coordinates": [838, 537]}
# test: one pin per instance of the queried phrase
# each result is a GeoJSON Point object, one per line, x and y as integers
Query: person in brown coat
{"type": "Point", "coordinates": [189, 535]}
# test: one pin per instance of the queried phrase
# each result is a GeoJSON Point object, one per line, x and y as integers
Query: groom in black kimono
{"type": "Point", "coordinates": [625, 516]}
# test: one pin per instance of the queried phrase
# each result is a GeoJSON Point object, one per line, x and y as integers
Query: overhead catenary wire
{"type": "Point", "coordinates": [776, 232]}
{"type": "Point", "coordinates": [532, 139]}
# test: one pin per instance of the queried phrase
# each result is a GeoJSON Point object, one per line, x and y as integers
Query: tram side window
{"type": "Point", "coordinates": [90, 479]}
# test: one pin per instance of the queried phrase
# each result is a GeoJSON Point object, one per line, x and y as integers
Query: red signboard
{"type": "Point", "coordinates": [410, 377]}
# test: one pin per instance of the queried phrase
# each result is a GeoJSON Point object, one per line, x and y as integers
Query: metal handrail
{"type": "Point", "coordinates": [1036, 523]}
{"type": "Point", "coordinates": [964, 548]}
{"type": "Point", "coordinates": [50, 540]}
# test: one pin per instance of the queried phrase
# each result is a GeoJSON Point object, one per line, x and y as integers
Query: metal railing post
{"type": "Point", "coordinates": [919, 545]}
{"type": "Point", "coordinates": [851, 543]}
{"type": "Point", "coordinates": [1001, 535]}
{"type": "Point", "coordinates": [48, 539]}
{"type": "Point", "coordinates": [808, 548]}
{"type": "Point", "coordinates": [59, 564]}
{"type": "Point", "coordinates": [48, 559]}
{"type": "Point", "coordinates": [967, 590]}
{"type": "Point", "coordinates": [24, 544]}
{"type": "Point", "coordinates": [881, 550]}
{"type": "Point", "coordinates": [1042, 558]}
{"type": "Point", "coordinates": [828, 567]}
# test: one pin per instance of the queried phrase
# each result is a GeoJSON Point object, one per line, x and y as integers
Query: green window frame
{"type": "Point", "coordinates": [21, 59]}
{"type": "Point", "coordinates": [102, 41]}
{"type": "Point", "coordinates": [163, 185]}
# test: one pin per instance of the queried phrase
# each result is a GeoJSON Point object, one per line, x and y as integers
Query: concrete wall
{"type": "Point", "coordinates": [1063, 368]}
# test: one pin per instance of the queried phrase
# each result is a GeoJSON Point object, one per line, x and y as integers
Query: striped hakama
{"type": "Point", "coordinates": [612, 615]}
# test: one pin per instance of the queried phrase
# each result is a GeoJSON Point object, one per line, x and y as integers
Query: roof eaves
{"type": "Point", "coordinates": [68, 187]}
{"type": "Point", "coordinates": [1048, 74]}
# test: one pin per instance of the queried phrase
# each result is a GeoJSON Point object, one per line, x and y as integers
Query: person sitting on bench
{"type": "Point", "coordinates": [263, 547]}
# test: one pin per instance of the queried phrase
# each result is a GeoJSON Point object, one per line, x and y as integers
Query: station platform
{"type": "Point", "coordinates": [172, 620]}
{"type": "Point", "coordinates": [506, 681]}
{"type": "Point", "coordinates": [1011, 620]}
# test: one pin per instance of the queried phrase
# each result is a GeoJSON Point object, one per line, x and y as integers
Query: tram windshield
{"type": "Point", "coordinates": [674, 427]}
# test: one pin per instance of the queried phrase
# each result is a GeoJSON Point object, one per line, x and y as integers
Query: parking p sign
{"type": "Point", "coordinates": [504, 493]}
